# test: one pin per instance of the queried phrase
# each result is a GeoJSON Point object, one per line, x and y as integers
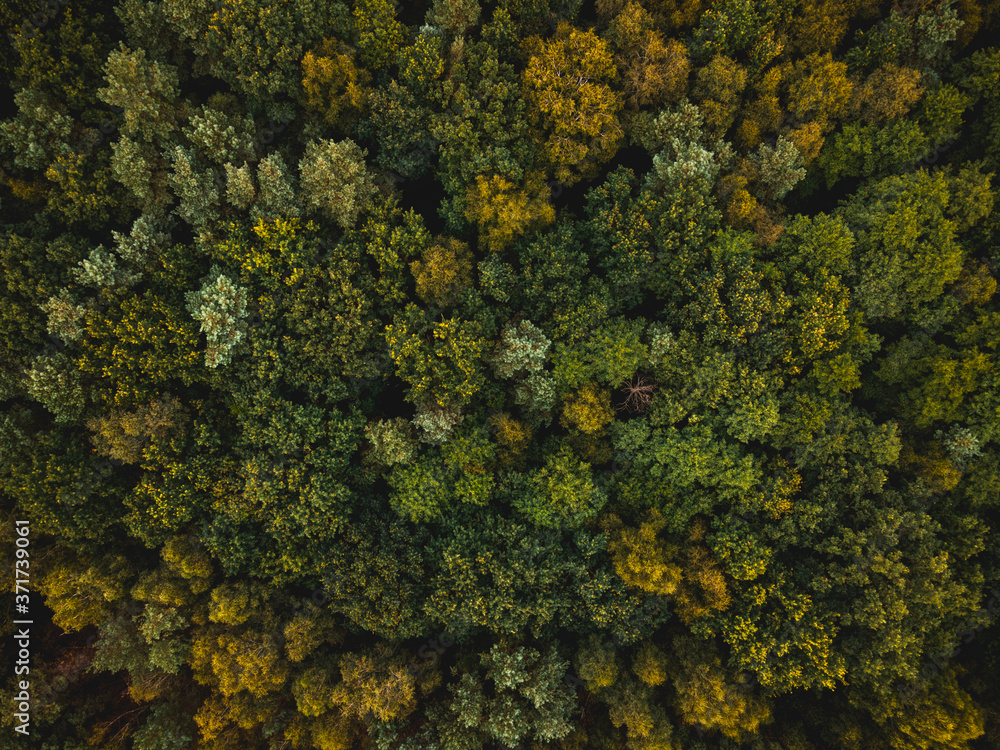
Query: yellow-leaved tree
{"type": "Point", "coordinates": [654, 70]}
{"type": "Point", "coordinates": [707, 697]}
{"type": "Point", "coordinates": [333, 86]}
{"type": "Point", "coordinates": [443, 272]}
{"type": "Point", "coordinates": [503, 211]}
{"type": "Point", "coordinates": [567, 85]}
{"type": "Point", "coordinates": [376, 684]}
{"type": "Point", "coordinates": [640, 559]}
{"type": "Point", "coordinates": [589, 409]}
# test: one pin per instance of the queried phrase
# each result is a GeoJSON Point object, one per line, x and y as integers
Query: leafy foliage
{"type": "Point", "coordinates": [465, 373]}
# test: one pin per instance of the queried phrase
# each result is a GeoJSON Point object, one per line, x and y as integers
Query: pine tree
{"type": "Point", "coordinates": [528, 700]}
{"type": "Point", "coordinates": [217, 137]}
{"type": "Point", "coordinates": [393, 441]}
{"type": "Point", "coordinates": [39, 133]}
{"type": "Point", "coordinates": [219, 305]}
{"type": "Point", "coordinates": [64, 316]}
{"type": "Point", "coordinates": [240, 190]}
{"type": "Point", "coordinates": [522, 349]}
{"type": "Point", "coordinates": [146, 90]}
{"type": "Point", "coordinates": [778, 169]}
{"type": "Point", "coordinates": [277, 194]}
{"type": "Point", "coordinates": [335, 181]}
{"type": "Point", "coordinates": [54, 381]}
{"type": "Point", "coordinates": [195, 188]}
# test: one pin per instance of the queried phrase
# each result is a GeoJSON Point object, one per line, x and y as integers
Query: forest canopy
{"type": "Point", "coordinates": [479, 374]}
